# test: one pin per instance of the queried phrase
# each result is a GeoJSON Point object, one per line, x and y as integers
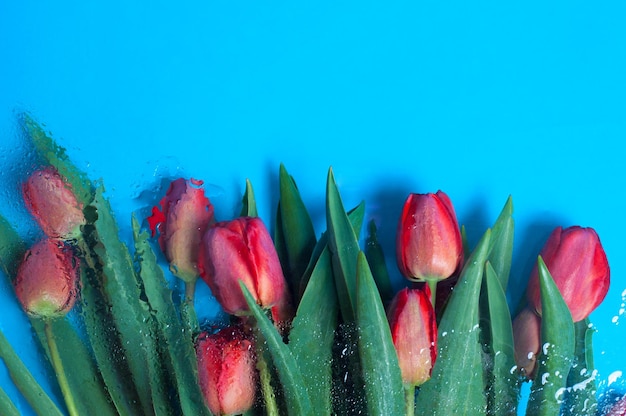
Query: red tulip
{"type": "Point", "coordinates": [414, 333]}
{"type": "Point", "coordinates": [226, 371]}
{"type": "Point", "coordinates": [527, 340]}
{"type": "Point", "coordinates": [185, 215]}
{"type": "Point", "coordinates": [429, 245]}
{"type": "Point", "coordinates": [242, 249]}
{"type": "Point", "coordinates": [579, 267]}
{"type": "Point", "coordinates": [50, 199]}
{"type": "Point", "coordinates": [47, 279]}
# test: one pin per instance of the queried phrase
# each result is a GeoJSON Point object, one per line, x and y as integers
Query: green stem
{"type": "Point", "coordinates": [60, 372]}
{"type": "Point", "coordinates": [271, 407]}
{"type": "Point", "coordinates": [432, 285]}
{"type": "Point", "coordinates": [409, 400]}
{"type": "Point", "coordinates": [190, 290]}
{"type": "Point", "coordinates": [188, 312]}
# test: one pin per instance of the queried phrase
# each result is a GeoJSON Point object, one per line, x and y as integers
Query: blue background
{"type": "Point", "coordinates": [480, 99]}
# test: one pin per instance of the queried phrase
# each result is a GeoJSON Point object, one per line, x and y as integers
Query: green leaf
{"type": "Point", "coordinates": [296, 229]}
{"type": "Point", "coordinates": [313, 331]}
{"type": "Point", "coordinates": [83, 376]}
{"type": "Point", "coordinates": [467, 251]}
{"type": "Point", "coordinates": [291, 379]}
{"type": "Point", "coordinates": [177, 350]}
{"type": "Point", "coordinates": [249, 202]}
{"type": "Point", "coordinates": [501, 246]}
{"type": "Point", "coordinates": [7, 408]}
{"type": "Point", "coordinates": [376, 260]}
{"type": "Point", "coordinates": [457, 383]}
{"type": "Point", "coordinates": [130, 314]}
{"type": "Point", "coordinates": [503, 390]}
{"type": "Point", "coordinates": [555, 358]}
{"type": "Point", "coordinates": [379, 362]}
{"type": "Point", "coordinates": [12, 248]}
{"type": "Point", "coordinates": [55, 155]}
{"type": "Point", "coordinates": [25, 382]}
{"type": "Point", "coordinates": [344, 247]}
{"type": "Point", "coordinates": [580, 395]}
{"type": "Point", "coordinates": [105, 341]}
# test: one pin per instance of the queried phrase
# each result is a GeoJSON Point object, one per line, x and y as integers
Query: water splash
{"type": "Point", "coordinates": [614, 376]}
{"type": "Point", "coordinates": [622, 309]}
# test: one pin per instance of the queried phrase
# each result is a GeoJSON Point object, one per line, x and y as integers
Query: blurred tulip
{"type": "Point", "coordinates": [579, 267]}
{"type": "Point", "coordinates": [226, 371]}
{"type": "Point", "coordinates": [242, 249]}
{"type": "Point", "coordinates": [429, 245]}
{"type": "Point", "coordinates": [185, 215]}
{"type": "Point", "coordinates": [50, 199]}
{"type": "Point", "coordinates": [527, 340]}
{"type": "Point", "coordinates": [414, 333]}
{"type": "Point", "coordinates": [47, 279]}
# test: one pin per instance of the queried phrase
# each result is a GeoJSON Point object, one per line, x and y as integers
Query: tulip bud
{"type": "Point", "coordinates": [47, 279]}
{"type": "Point", "coordinates": [226, 371]}
{"type": "Point", "coordinates": [185, 215]}
{"type": "Point", "coordinates": [414, 334]}
{"type": "Point", "coordinates": [579, 267]}
{"type": "Point", "coordinates": [242, 249]}
{"type": "Point", "coordinates": [50, 199]}
{"type": "Point", "coordinates": [429, 245]}
{"type": "Point", "coordinates": [527, 341]}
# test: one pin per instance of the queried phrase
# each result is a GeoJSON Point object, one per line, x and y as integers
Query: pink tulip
{"type": "Point", "coordinates": [185, 215]}
{"type": "Point", "coordinates": [579, 267]}
{"type": "Point", "coordinates": [50, 199]}
{"type": "Point", "coordinates": [414, 334]}
{"type": "Point", "coordinates": [47, 279]}
{"type": "Point", "coordinates": [242, 249]}
{"type": "Point", "coordinates": [226, 371]}
{"type": "Point", "coordinates": [429, 245]}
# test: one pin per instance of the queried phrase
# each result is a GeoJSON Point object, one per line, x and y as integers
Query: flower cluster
{"type": "Point", "coordinates": [47, 279]}
{"type": "Point", "coordinates": [315, 324]}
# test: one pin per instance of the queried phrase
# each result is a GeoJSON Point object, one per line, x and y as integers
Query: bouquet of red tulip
{"type": "Point", "coordinates": [315, 326]}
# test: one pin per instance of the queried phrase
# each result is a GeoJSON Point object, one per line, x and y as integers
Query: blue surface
{"type": "Point", "coordinates": [481, 100]}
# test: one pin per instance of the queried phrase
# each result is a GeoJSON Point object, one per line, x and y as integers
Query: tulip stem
{"type": "Point", "coordinates": [409, 399]}
{"type": "Point", "coordinates": [265, 378]}
{"type": "Point", "coordinates": [55, 357]}
{"type": "Point", "coordinates": [187, 310]}
{"type": "Point", "coordinates": [432, 285]}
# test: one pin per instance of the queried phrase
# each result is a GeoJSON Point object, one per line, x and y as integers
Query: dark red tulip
{"type": "Point", "coordinates": [226, 371]}
{"type": "Point", "coordinates": [414, 333]}
{"type": "Point", "coordinates": [429, 245]}
{"type": "Point", "coordinates": [242, 249]}
{"type": "Point", "coordinates": [578, 264]}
